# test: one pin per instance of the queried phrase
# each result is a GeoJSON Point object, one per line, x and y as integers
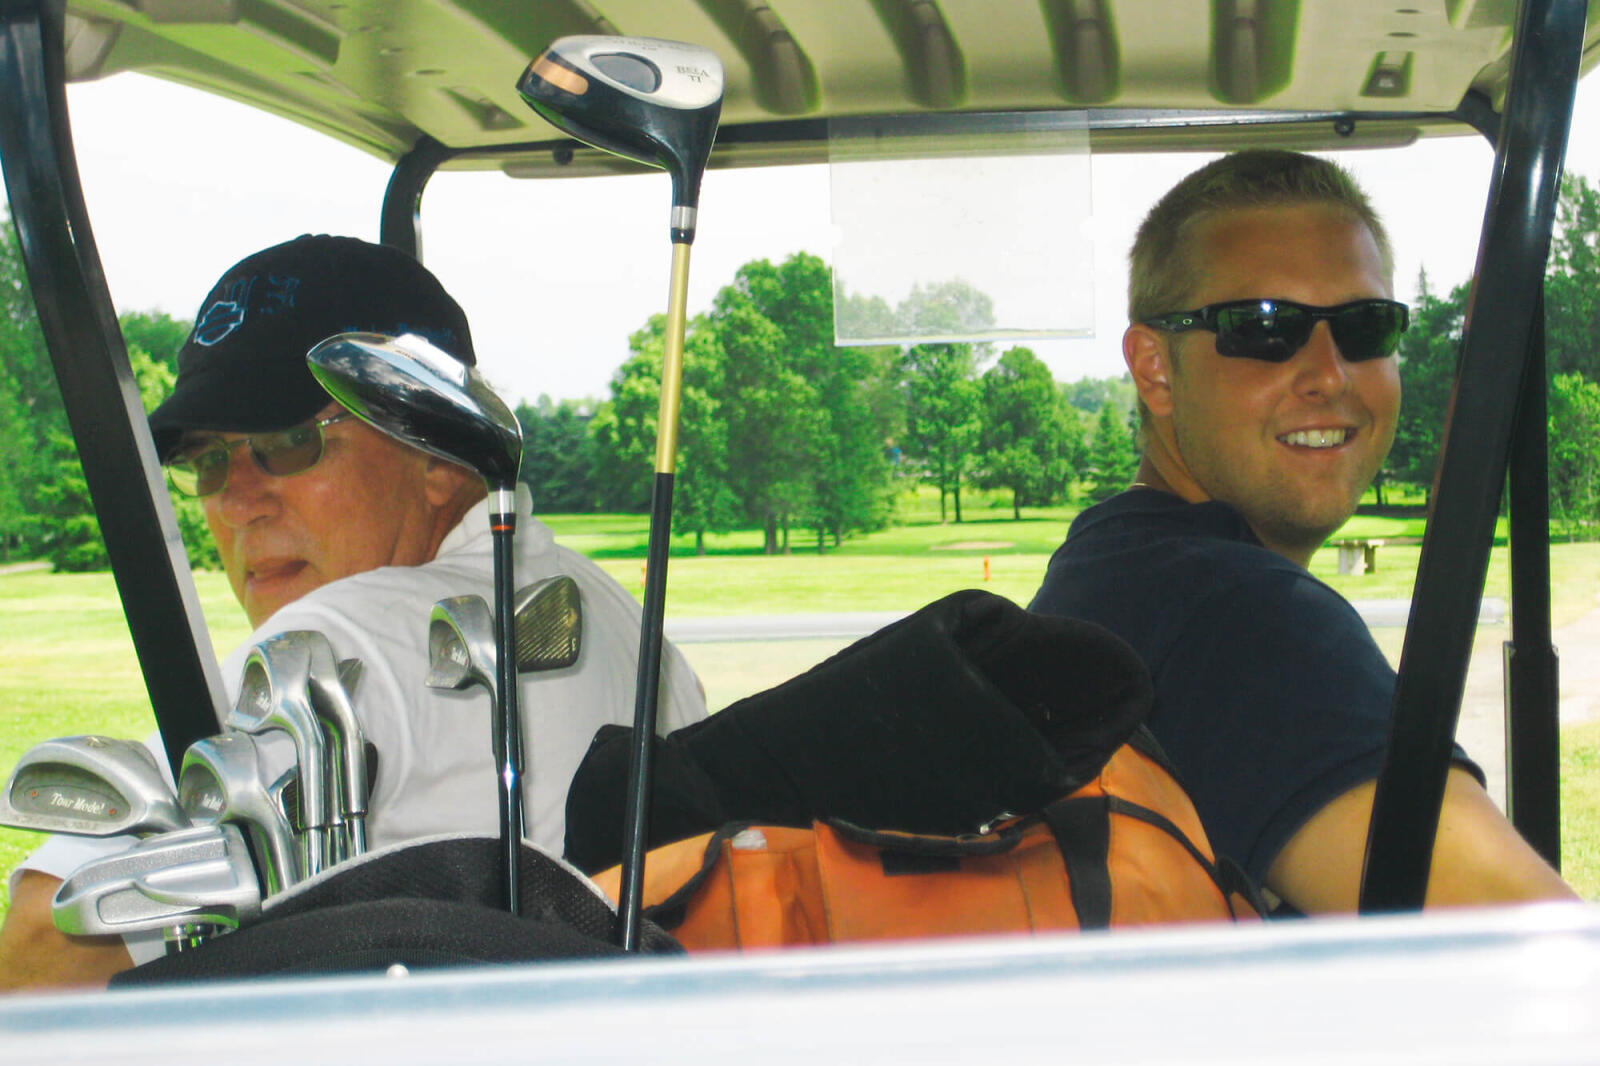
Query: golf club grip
{"type": "Point", "coordinates": [636, 817]}
{"type": "Point", "coordinates": [509, 757]}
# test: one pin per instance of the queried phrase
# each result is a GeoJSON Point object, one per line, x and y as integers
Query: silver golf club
{"type": "Point", "coordinates": [90, 786]}
{"type": "Point", "coordinates": [224, 782]}
{"type": "Point", "coordinates": [330, 698]}
{"type": "Point", "coordinates": [275, 693]}
{"type": "Point", "coordinates": [190, 883]}
{"type": "Point", "coordinates": [463, 652]}
{"type": "Point", "coordinates": [657, 102]}
{"type": "Point", "coordinates": [547, 626]}
{"type": "Point", "coordinates": [418, 394]}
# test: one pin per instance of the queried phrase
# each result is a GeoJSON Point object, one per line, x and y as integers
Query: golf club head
{"type": "Point", "coordinates": [653, 101]}
{"type": "Point", "coordinates": [90, 786]}
{"type": "Point", "coordinates": [275, 693]}
{"type": "Point", "coordinates": [406, 387]}
{"type": "Point", "coordinates": [342, 730]}
{"type": "Point", "coordinates": [196, 876]}
{"type": "Point", "coordinates": [225, 781]}
{"type": "Point", "coordinates": [461, 644]}
{"type": "Point", "coordinates": [548, 624]}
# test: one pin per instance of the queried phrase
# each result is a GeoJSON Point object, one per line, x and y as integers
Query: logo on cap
{"type": "Point", "coordinates": [227, 313]}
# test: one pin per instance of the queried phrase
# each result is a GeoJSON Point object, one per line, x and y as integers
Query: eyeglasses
{"type": "Point", "coordinates": [295, 450]}
{"type": "Point", "coordinates": [1273, 330]}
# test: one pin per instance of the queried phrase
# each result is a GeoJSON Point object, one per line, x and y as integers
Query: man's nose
{"type": "Point", "coordinates": [1320, 369]}
{"type": "Point", "coordinates": [249, 494]}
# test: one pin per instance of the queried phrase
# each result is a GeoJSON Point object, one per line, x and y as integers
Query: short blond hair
{"type": "Point", "coordinates": [1162, 271]}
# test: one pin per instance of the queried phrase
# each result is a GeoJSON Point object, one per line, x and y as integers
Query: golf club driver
{"type": "Point", "coordinates": [275, 693]}
{"type": "Point", "coordinates": [190, 882]}
{"type": "Point", "coordinates": [90, 786]}
{"type": "Point", "coordinates": [656, 102]}
{"type": "Point", "coordinates": [547, 625]}
{"type": "Point", "coordinates": [418, 394]}
{"type": "Point", "coordinates": [224, 781]}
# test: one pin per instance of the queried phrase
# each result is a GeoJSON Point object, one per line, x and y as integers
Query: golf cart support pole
{"type": "Point", "coordinates": [636, 817]}
{"type": "Point", "coordinates": [1501, 316]}
{"type": "Point", "coordinates": [1532, 669]}
{"type": "Point", "coordinates": [97, 384]}
{"type": "Point", "coordinates": [1530, 666]}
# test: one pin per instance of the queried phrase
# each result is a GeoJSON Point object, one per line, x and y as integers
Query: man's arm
{"type": "Point", "coordinates": [35, 955]}
{"type": "Point", "coordinates": [1478, 857]}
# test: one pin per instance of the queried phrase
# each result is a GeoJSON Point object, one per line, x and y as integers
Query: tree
{"type": "Point", "coordinates": [155, 333]}
{"type": "Point", "coordinates": [1575, 453]}
{"type": "Point", "coordinates": [1090, 394]}
{"type": "Point", "coordinates": [1428, 354]}
{"type": "Point", "coordinates": [945, 307]}
{"type": "Point", "coordinates": [943, 415]}
{"type": "Point", "coordinates": [1113, 455]}
{"type": "Point", "coordinates": [1572, 282]}
{"type": "Point", "coordinates": [557, 456]}
{"type": "Point", "coordinates": [624, 433]}
{"type": "Point", "coordinates": [1030, 439]}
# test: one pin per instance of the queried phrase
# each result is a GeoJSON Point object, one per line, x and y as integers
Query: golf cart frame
{"type": "Point", "coordinates": [1499, 395]}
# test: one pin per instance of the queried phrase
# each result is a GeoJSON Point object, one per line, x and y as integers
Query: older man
{"type": "Point", "coordinates": [1261, 343]}
{"type": "Point", "coordinates": [326, 524]}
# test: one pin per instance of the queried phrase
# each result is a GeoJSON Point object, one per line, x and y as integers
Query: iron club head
{"type": "Point", "coordinates": [90, 786]}
{"type": "Point", "coordinates": [224, 781]}
{"type": "Point", "coordinates": [275, 693]}
{"type": "Point", "coordinates": [199, 876]}
{"type": "Point", "coordinates": [548, 624]}
{"type": "Point", "coordinates": [461, 644]}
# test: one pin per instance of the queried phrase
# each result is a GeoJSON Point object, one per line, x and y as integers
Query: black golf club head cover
{"type": "Point", "coordinates": [966, 710]}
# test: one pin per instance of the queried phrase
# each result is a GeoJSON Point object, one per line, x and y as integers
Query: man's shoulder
{"type": "Point", "coordinates": [1146, 562]}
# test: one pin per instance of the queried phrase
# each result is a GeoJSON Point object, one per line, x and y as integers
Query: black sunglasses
{"type": "Point", "coordinates": [203, 470]}
{"type": "Point", "coordinates": [1273, 330]}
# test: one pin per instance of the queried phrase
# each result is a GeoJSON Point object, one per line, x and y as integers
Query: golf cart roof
{"type": "Point", "coordinates": [386, 76]}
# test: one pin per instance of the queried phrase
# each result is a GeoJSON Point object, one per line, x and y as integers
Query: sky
{"type": "Point", "coordinates": [554, 275]}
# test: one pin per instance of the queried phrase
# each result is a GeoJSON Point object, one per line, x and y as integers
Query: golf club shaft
{"type": "Point", "coordinates": [509, 730]}
{"type": "Point", "coordinates": [636, 824]}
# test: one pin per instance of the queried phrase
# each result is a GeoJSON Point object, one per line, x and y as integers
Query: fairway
{"type": "Point", "coordinates": [71, 669]}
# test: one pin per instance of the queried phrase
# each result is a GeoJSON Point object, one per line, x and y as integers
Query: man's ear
{"type": "Point", "coordinates": [1148, 354]}
{"type": "Point", "coordinates": [448, 482]}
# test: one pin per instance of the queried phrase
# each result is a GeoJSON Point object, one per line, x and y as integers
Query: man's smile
{"type": "Point", "coordinates": [1317, 438]}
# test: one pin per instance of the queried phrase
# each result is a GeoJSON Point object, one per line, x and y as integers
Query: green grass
{"type": "Point", "coordinates": [70, 666]}
{"type": "Point", "coordinates": [1580, 807]}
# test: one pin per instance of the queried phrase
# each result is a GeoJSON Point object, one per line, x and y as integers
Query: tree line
{"type": "Point", "coordinates": [809, 443]}
{"type": "Point", "coordinates": [1429, 353]}
{"type": "Point", "coordinates": [783, 432]}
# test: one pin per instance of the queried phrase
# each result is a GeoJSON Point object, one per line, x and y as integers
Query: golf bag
{"type": "Point", "coordinates": [424, 903]}
{"type": "Point", "coordinates": [972, 768]}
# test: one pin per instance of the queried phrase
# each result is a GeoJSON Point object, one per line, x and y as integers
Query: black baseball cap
{"type": "Point", "coordinates": [243, 367]}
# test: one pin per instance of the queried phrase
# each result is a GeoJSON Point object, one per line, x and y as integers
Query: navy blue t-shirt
{"type": "Point", "coordinates": [1271, 697]}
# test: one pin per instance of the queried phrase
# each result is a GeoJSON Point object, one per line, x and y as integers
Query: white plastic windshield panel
{"type": "Point", "coordinates": [951, 228]}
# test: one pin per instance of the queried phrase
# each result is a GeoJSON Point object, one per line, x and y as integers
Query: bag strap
{"type": "Point", "coordinates": [670, 912]}
{"type": "Point", "coordinates": [1226, 874]}
{"type": "Point", "coordinates": [1082, 828]}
